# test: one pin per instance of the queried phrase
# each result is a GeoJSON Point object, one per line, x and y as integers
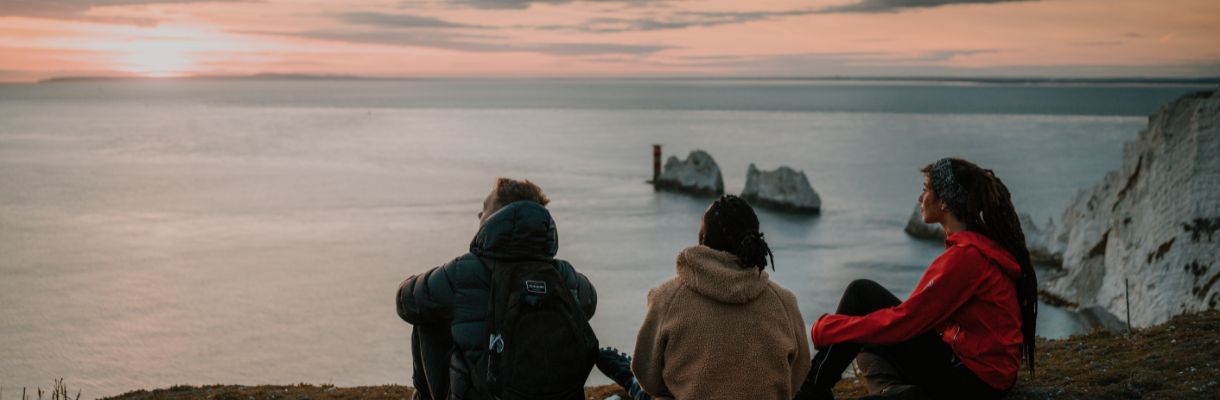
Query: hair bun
{"type": "Point", "coordinates": [753, 251]}
{"type": "Point", "coordinates": [730, 225]}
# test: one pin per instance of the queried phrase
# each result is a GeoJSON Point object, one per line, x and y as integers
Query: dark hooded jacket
{"type": "Point", "coordinates": [448, 305]}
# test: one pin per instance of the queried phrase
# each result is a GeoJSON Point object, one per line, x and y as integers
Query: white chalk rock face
{"type": "Point", "coordinates": [697, 174]}
{"type": "Point", "coordinates": [783, 189]}
{"type": "Point", "coordinates": [1038, 240]}
{"type": "Point", "coordinates": [1152, 224]}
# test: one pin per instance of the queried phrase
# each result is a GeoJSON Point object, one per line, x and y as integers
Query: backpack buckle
{"type": "Point", "coordinates": [496, 343]}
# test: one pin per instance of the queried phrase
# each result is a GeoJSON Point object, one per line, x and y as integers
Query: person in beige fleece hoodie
{"type": "Point", "coordinates": [722, 329]}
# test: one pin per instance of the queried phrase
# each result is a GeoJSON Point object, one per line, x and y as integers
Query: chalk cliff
{"type": "Point", "coordinates": [1150, 227]}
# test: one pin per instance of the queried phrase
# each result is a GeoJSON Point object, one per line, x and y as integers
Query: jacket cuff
{"type": "Point", "coordinates": [816, 331]}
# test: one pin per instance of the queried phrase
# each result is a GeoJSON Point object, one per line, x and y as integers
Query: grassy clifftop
{"type": "Point", "coordinates": [1177, 360]}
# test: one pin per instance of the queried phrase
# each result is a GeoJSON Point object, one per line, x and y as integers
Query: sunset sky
{"type": "Point", "coordinates": [591, 38]}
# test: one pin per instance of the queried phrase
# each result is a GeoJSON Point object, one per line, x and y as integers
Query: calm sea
{"type": "Point", "coordinates": [245, 232]}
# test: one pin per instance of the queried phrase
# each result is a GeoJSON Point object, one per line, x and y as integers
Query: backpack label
{"type": "Point", "coordinates": [537, 287]}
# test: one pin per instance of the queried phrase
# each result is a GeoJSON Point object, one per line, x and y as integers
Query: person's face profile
{"type": "Point", "coordinates": [489, 207]}
{"type": "Point", "coordinates": [930, 206]}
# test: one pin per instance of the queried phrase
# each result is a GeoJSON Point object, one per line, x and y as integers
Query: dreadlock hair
{"type": "Point", "coordinates": [987, 209]}
{"type": "Point", "coordinates": [731, 225]}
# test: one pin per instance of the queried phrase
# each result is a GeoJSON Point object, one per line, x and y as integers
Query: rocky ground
{"type": "Point", "coordinates": [1177, 360]}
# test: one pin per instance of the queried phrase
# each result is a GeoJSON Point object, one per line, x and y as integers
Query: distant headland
{"type": "Point", "coordinates": [1212, 80]}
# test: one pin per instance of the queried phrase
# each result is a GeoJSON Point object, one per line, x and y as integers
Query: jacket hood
{"type": "Point", "coordinates": [989, 248]}
{"type": "Point", "coordinates": [715, 274]}
{"type": "Point", "coordinates": [522, 230]}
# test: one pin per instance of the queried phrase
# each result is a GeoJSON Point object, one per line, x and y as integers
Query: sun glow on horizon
{"type": "Point", "coordinates": [155, 60]}
{"type": "Point", "coordinates": [163, 51]}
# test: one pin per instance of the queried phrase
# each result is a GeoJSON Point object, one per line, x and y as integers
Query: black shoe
{"type": "Point", "coordinates": [809, 393]}
{"type": "Point", "coordinates": [615, 365]}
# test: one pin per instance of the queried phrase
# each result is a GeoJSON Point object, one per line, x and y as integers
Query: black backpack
{"type": "Point", "coordinates": [539, 345]}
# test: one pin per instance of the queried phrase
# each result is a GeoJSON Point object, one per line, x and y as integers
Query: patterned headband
{"type": "Point", "coordinates": [947, 188]}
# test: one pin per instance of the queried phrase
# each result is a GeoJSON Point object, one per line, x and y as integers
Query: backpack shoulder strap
{"type": "Point", "coordinates": [499, 284]}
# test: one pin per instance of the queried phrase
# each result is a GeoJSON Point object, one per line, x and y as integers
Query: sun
{"type": "Point", "coordinates": [162, 51]}
{"type": "Point", "coordinates": [155, 59]}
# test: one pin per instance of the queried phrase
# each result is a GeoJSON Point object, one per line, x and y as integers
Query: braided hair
{"type": "Point", "coordinates": [731, 225]}
{"type": "Point", "coordinates": [985, 206]}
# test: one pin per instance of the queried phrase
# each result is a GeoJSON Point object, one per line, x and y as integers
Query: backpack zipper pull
{"type": "Point", "coordinates": [496, 343]}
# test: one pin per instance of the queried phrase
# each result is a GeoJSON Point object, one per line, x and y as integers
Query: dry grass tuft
{"type": "Point", "coordinates": [59, 391]}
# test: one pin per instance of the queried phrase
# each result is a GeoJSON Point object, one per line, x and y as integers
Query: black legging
{"type": "Point", "coordinates": [923, 361]}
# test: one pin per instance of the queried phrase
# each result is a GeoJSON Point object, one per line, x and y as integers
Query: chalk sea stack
{"type": "Point", "coordinates": [1151, 227]}
{"type": "Point", "coordinates": [698, 174]}
{"type": "Point", "coordinates": [783, 189]}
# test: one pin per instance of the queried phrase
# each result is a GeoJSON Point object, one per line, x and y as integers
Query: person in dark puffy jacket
{"type": "Point", "coordinates": [447, 306]}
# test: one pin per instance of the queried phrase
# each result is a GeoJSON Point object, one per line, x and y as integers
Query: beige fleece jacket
{"type": "Point", "coordinates": [718, 331]}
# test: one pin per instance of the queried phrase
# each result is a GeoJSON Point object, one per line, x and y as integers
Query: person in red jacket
{"type": "Point", "coordinates": [964, 329]}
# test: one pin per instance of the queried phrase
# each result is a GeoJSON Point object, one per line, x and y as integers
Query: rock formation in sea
{"type": "Point", "coordinates": [697, 174]}
{"type": "Point", "coordinates": [1149, 229]}
{"type": "Point", "coordinates": [783, 189]}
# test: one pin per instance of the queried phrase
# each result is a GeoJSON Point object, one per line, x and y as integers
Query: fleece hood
{"type": "Point", "coordinates": [989, 248]}
{"type": "Point", "coordinates": [716, 274]}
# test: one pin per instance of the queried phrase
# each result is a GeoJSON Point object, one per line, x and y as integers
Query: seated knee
{"type": "Point", "coordinates": [862, 285]}
{"type": "Point", "coordinates": [864, 296]}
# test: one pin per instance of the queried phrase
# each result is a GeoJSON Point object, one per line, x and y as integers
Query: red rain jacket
{"type": "Point", "coordinates": [968, 296]}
